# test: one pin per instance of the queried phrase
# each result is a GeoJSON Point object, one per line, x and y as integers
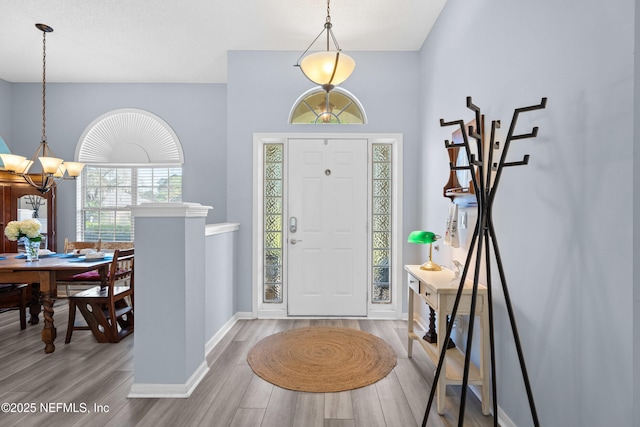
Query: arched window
{"type": "Point", "coordinates": [316, 106]}
{"type": "Point", "coordinates": [131, 156]}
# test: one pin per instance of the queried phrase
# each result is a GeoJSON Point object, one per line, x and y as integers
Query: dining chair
{"type": "Point", "coordinates": [15, 296]}
{"type": "Point", "coordinates": [108, 310]}
{"type": "Point", "coordinates": [72, 246]}
{"type": "Point", "coordinates": [112, 246]}
{"type": "Point", "coordinates": [80, 281]}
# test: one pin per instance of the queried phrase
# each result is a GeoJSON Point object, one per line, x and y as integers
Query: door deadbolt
{"type": "Point", "coordinates": [293, 224]}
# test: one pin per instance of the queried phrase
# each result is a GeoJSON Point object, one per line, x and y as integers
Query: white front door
{"type": "Point", "coordinates": [327, 227]}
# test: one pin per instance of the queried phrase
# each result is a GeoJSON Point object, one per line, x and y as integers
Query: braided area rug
{"type": "Point", "coordinates": [322, 359]}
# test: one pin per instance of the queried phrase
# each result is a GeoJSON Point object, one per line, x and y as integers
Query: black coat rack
{"type": "Point", "coordinates": [485, 176]}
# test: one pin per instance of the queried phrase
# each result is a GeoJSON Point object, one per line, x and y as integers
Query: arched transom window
{"type": "Point", "coordinates": [316, 106]}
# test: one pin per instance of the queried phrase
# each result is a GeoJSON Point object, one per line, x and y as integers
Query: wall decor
{"type": "Point", "coordinates": [485, 172]}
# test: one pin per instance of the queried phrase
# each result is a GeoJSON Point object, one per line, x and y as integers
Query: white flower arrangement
{"type": "Point", "coordinates": [30, 228]}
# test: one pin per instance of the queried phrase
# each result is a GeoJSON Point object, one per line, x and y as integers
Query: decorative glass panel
{"type": "Point", "coordinates": [273, 188]}
{"type": "Point", "coordinates": [381, 240]}
{"type": "Point", "coordinates": [273, 224]}
{"type": "Point", "coordinates": [381, 171]}
{"type": "Point", "coordinates": [382, 154]}
{"type": "Point", "coordinates": [272, 292]}
{"type": "Point", "coordinates": [381, 257]}
{"type": "Point", "coordinates": [273, 152]}
{"type": "Point", "coordinates": [273, 205]}
{"type": "Point", "coordinates": [382, 188]}
{"type": "Point", "coordinates": [381, 223]}
{"type": "Point", "coordinates": [382, 205]}
{"type": "Point", "coordinates": [273, 171]}
{"type": "Point", "coordinates": [381, 275]}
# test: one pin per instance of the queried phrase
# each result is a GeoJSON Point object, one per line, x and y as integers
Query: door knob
{"type": "Point", "coordinates": [294, 241]}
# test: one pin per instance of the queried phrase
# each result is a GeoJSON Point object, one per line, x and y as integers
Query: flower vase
{"type": "Point", "coordinates": [31, 249]}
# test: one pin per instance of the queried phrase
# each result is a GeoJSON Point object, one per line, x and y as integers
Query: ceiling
{"type": "Point", "coordinates": [170, 41]}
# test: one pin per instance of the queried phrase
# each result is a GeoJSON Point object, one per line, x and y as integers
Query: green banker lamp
{"type": "Point", "coordinates": [423, 238]}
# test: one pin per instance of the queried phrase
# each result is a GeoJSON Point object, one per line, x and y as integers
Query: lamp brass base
{"type": "Point", "coordinates": [430, 266]}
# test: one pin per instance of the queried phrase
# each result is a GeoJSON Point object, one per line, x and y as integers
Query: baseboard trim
{"type": "Point", "coordinates": [213, 342]}
{"type": "Point", "coordinates": [169, 391]}
{"type": "Point", "coordinates": [503, 419]}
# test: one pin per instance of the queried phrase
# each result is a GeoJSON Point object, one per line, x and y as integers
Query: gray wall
{"type": "Point", "coordinates": [170, 279]}
{"type": "Point", "coordinates": [262, 88]}
{"type": "Point", "coordinates": [636, 227]}
{"type": "Point", "coordinates": [5, 111]}
{"type": "Point", "coordinates": [196, 112]}
{"type": "Point", "coordinates": [565, 221]}
{"type": "Point", "coordinates": [220, 281]}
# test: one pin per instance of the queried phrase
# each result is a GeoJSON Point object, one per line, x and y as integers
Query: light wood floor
{"type": "Point", "coordinates": [87, 373]}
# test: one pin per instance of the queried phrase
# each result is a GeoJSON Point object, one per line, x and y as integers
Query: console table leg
{"type": "Point", "coordinates": [431, 336]}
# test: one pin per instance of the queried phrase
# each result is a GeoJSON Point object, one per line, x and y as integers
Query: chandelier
{"type": "Point", "coordinates": [54, 169]}
{"type": "Point", "coordinates": [327, 68]}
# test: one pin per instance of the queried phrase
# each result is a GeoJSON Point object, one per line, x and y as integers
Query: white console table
{"type": "Point", "coordinates": [438, 289]}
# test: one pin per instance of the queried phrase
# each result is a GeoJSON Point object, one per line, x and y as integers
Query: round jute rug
{"type": "Point", "coordinates": [322, 359]}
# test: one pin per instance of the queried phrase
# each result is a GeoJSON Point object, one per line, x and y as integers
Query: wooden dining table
{"type": "Point", "coordinates": [46, 272]}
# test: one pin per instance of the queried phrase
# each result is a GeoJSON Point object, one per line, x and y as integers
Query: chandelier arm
{"type": "Point", "coordinates": [47, 183]}
{"type": "Point", "coordinates": [327, 26]}
{"type": "Point", "coordinates": [335, 41]}
{"type": "Point", "coordinates": [335, 68]}
{"type": "Point", "coordinates": [309, 47]}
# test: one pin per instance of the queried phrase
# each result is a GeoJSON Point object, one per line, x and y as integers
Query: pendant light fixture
{"type": "Point", "coordinates": [327, 68]}
{"type": "Point", "coordinates": [53, 168]}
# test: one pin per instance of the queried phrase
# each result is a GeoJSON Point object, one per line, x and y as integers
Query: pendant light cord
{"type": "Point", "coordinates": [327, 23]}
{"type": "Point", "coordinates": [44, 87]}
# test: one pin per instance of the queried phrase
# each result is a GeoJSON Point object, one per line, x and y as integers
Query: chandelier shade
{"type": "Point", "coordinates": [13, 162]}
{"type": "Point", "coordinates": [327, 68]}
{"type": "Point", "coordinates": [50, 165]}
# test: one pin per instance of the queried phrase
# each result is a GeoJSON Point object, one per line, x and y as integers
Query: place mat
{"type": "Point", "coordinates": [83, 259]}
{"type": "Point", "coordinates": [23, 256]}
{"type": "Point", "coordinates": [63, 255]}
{"type": "Point", "coordinates": [322, 359]}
